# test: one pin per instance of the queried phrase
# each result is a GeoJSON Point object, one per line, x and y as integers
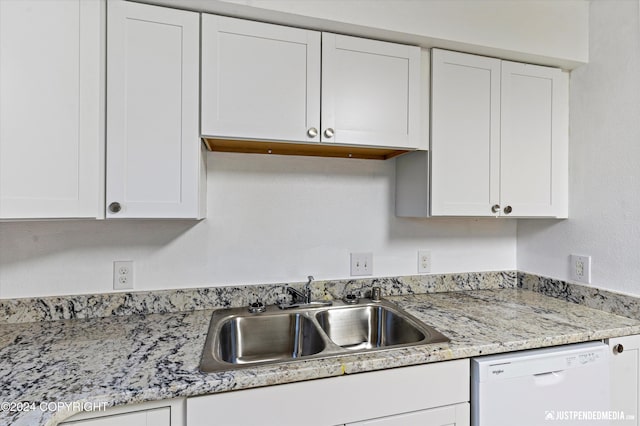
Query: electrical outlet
{"type": "Point", "coordinates": [580, 268]}
{"type": "Point", "coordinates": [424, 261]}
{"type": "Point", "coordinates": [123, 275]}
{"type": "Point", "coordinates": [361, 264]}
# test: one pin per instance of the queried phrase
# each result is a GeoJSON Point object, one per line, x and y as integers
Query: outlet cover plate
{"type": "Point", "coordinates": [123, 275]}
{"type": "Point", "coordinates": [580, 268]}
{"type": "Point", "coordinates": [424, 261]}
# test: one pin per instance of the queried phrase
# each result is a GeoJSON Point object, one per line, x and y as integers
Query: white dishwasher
{"type": "Point", "coordinates": [565, 385]}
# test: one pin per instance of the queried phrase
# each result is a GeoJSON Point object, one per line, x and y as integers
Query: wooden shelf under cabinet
{"type": "Point", "coordinates": [313, 150]}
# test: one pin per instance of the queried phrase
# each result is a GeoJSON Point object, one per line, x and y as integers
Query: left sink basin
{"type": "Point", "coordinates": [238, 340]}
{"type": "Point", "coordinates": [261, 338]}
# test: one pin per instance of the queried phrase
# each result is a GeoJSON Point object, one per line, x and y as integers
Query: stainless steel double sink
{"type": "Point", "coordinates": [240, 339]}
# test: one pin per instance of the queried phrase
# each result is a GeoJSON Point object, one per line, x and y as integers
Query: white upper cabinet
{"type": "Point", "coordinates": [154, 163]}
{"type": "Point", "coordinates": [499, 138]}
{"type": "Point", "coordinates": [259, 81]}
{"type": "Point", "coordinates": [465, 134]}
{"type": "Point", "coordinates": [370, 92]}
{"type": "Point", "coordinates": [534, 140]}
{"type": "Point", "coordinates": [262, 82]}
{"type": "Point", "coordinates": [50, 97]}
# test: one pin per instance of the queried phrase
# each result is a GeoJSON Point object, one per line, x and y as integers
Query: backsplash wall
{"type": "Point", "coordinates": [270, 219]}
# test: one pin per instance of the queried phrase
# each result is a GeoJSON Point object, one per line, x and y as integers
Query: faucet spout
{"type": "Point", "coordinates": [302, 298]}
{"type": "Point", "coordinates": [298, 296]}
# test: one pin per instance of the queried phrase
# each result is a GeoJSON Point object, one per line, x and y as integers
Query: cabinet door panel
{"type": "Point", "coordinates": [49, 108]}
{"type": "Point", "coordinates": [259, 81]}
{"type": "Point", "coordinates": [625, 379]}
{"type": "Point", "coordinates": [151, 413]}
{"type": "Point", "coordinates": [465, 134]}
{"type": "Point", "coordinates": [370, 92]}
{"type": "Point", "coordinates": [533, 147]}
{"type": "Point", "coordinates": [157, 417]}
{"type": "Point", "coordinates": [153, 146]}
{"type": "Point", "coordinates": [453, 415]}
{"type": "Point", "coordinates": [337, 393]}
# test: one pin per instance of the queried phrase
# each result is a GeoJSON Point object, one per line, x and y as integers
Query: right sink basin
{"type": "Point", "coordinates": [370, 327]}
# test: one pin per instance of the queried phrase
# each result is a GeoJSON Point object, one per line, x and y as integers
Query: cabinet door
{"type": "Point", "coordinates": [337, 393]}
{"type": "Point", "coordinates": [152, 413]}
{"type": "Point", "coordinates": [534, 140]}
{"type": "Point", "coordinates": [453, 415]}
{"type": "Point", "coordinates": [259, 81]}
{"type": "Point", "coordinates": [465, 134]}
{"type": "Point", "coordinates": [153, 147]}
{"type": "Point", "coordinates": [156, 417]}
{"type": "Point", "coordinates": [624, 372]}
{"type": "Point", "coordinates": [370, 92]}
{"type": "Point", "coordinates": [50, 81]}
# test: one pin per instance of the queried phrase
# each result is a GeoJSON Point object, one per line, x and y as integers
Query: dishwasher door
{"type": "Point", "coordinates": [565, 385]}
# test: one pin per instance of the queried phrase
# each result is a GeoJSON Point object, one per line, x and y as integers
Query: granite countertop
{"type": "Point", "coordinates": [128, 359]}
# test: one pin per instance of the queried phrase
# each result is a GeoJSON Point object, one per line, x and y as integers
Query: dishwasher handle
{"type": "Point", "coordinates": [550, 378]}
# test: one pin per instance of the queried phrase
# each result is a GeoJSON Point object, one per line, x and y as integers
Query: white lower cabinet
{"type": "Point", "coordinates": [452, 415]}
{"type": "Point", "coordinates": [434, 394]}
{"type": "Point", "coordinates": [156, 413]}
{"type": "Point", "coordinates": [431, 394]}
{"type": "Point", "coordinates": [624, 373]}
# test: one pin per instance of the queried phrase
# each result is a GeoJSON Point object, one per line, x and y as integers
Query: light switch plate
{"type": "Point", "coordinates": [361, 264]}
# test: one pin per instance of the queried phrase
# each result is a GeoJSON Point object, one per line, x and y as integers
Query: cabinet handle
{"type": "Point", "coordinates": [312, 132]}
{"type": "Point", "coordinates": [329, 132]}
{"type": "Point", "coordinates": [508, 210]}
{"type": "Point", "coordinates": [115, 207]}
{"type": "Point", "coordinates": [617, 349]}
{"type": "Point", "coordinates": [495, 208]}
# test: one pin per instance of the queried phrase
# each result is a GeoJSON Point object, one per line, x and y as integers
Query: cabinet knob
{"type": "Point", "coordinates": [617, 349]}
{"type": "Point", "coordinates": [508, 210]}
{"type": "Point", "coordinates": [328, 132]}
{"type": "Point", "coordinates": [312, 132]}
{"type": "Point", "coordinates": [495, 208]}
{"type": "Point", "coordinates": [115, 207]}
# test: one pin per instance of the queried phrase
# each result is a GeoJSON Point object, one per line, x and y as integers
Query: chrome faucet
{"type": "Point", "coordinates": [299, 296]}
{"type": "Point", "coordinates": [302, 298]}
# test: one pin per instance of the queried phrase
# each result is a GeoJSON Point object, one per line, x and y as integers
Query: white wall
{"type": "Point", "coordinates": [549, 32]}
{"type": "Point", "coordinates": [270, 219]}
{"type": "Point", "coordinates": [604, 152]}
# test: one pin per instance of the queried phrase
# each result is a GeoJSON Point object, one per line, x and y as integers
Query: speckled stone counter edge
{"type": "Point", "coordinates": [164, 301]}
{"type": "Point", "coordinates": [604, 300]}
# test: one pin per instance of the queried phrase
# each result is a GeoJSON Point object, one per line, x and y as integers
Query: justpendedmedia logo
{"type": "Point", "coordinates": [586, 415]}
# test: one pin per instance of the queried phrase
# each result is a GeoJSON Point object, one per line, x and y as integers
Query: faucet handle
{"type": "Point", "coordinates": [376, 294]}
{"type": "Point", "coordinates": [257, 307]}
{"type": "Point", "coordinates": [350, 299]}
